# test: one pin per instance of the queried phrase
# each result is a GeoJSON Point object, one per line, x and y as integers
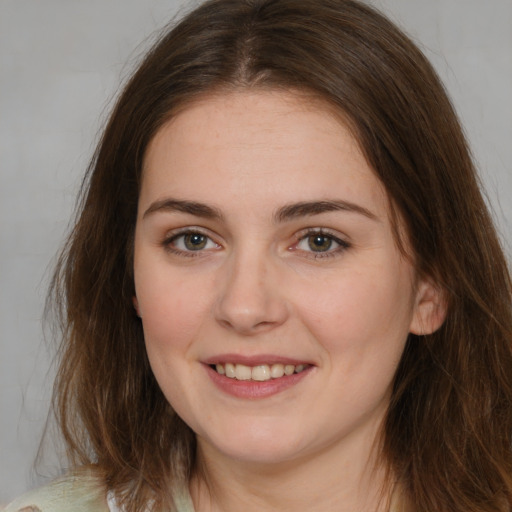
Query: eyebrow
{"type": "Point", "coordinates": [305, 209]}
{"type": "Point", "coordinates": [191, 207]}
{"type": "Point", "coordinates": [283, 214]}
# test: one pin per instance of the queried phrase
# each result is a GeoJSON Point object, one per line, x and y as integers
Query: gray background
{"type": "Point", "coordinates": [61, 62]}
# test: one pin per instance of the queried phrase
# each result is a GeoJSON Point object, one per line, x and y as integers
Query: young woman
{"type": "Point", "coordinates": [283, 290]}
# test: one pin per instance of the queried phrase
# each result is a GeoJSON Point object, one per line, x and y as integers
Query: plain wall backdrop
{"type": "Point", "coordinates": [61, 63]}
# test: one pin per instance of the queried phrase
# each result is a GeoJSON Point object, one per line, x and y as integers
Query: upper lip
{"type": "Point", "coordinates": [254, 360]}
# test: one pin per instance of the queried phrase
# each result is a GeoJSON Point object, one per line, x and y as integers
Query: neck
{"type": "Point", "coordinates": [327, 481]}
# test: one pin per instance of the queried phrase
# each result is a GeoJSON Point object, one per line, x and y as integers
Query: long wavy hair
{"type": "Point", "coordinates": [446, 440]}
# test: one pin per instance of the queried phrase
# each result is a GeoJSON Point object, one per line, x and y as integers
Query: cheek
{"type": "Point", "coordinates": [359, 311]}
{"type": "Point", "coordinates": [172, 315]}
{"type": "Point", "coordinates": [361, 325]}
{"type": "Point", "coordinates": [172, 310]}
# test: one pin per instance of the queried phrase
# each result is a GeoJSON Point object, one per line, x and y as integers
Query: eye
{"type": "Point", "coordinates": [189, 241]}
{"type": "Point", "coordinates": [321, 244]}
{"type": "Point", "coordinates": [318, 242]}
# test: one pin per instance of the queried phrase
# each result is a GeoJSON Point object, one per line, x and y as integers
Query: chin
{"type": "Point", "coordinates": [262, 443]}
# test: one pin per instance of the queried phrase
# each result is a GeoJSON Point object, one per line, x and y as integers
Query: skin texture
{"type": "Point", "coordinates": [259, 286]}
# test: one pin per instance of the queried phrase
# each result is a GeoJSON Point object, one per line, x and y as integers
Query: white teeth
{"type": "Point", "coordinates": [259, 373]}
{"type": "Point", "coordinates": [276, 371]}
{"type": "Point", "coordinates": [243, 372]}
{"type": "Point", "coordinates": [230, 370]}
{"type": "Point", "coordinates": [289, 369]}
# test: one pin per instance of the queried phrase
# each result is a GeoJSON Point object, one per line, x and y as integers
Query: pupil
{"type": "Point", "coordinates": [195, 241]}
{"type": "Point", "coordinates": [319, 243]}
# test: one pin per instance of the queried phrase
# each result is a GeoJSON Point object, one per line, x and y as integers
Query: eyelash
{"type": "Point", "coordinates": [342, 245]}
{"type": "Point", "coordinates": [170, 240]}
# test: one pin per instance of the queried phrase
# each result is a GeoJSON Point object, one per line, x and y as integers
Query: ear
{"type": "Point", "coordinates": [430, 308]}
{"type": "Point", "coordinates": [136, 305]}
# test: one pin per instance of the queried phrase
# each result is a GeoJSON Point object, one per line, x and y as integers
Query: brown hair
{"type": "Point", "coordinates": [447, 435]}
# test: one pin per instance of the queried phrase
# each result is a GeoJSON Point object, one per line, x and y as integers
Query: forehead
{"type": "Point", "coordinates": [247, 117]}
{"type": "Point", "coordinates": [258, 146]}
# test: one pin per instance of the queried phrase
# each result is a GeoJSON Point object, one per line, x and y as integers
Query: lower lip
{"type": "Point", "coordinates": [253, 389]}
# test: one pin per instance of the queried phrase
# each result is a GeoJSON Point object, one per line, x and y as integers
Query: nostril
{"type": "Point", "coordinates": [247, 306]}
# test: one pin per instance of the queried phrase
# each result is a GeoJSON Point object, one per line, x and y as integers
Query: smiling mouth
{"type": "Point", "coordinates": [260, 373]}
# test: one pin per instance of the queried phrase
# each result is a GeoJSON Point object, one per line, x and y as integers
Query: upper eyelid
{"type": "Point", "coordinates": [333, 233]}
{"type": "Point", "coordinates": [174, 233]}
{"type": "Point", "coordinates": [298, 235]}
{"type": "Point", "coordinates": [183, 235]}
{"type": "Point", "coordinates": [338, 238]}
{"type": "Point", "coordinates": [336, 252]}
{"type": "Point", "coordinates": [169, 243]}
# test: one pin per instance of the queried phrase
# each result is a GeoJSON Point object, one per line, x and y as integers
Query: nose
{"type": "Point", "coordinates": [251, 298]}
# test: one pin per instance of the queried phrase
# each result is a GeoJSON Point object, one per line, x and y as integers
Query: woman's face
{"type": "Point", "coordinates": [274, 300]}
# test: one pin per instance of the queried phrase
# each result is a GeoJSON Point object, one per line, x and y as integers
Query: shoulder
{"type": "Point", "coordinates": [81, 492]}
